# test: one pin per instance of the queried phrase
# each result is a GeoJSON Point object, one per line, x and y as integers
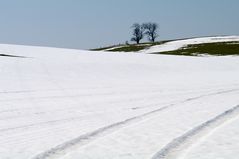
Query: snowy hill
{"type": "Point", "coordinates": [216, 46]}
{"type": "Point", "coordinates": [71, 104]}
{"type": "Point", "coordinates": [175, 45]}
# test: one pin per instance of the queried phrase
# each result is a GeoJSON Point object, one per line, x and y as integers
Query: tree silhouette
{"type": "Point", "coordinates": [138, 33]}
{"type": "Point", "coordinates": [151, 30]}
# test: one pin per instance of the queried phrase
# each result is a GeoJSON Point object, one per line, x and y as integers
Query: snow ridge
{"type": "Point", "coordinates": [178, 145]}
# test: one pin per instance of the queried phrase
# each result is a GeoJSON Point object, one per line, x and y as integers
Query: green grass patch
{"type": "Point", "coordinates": [216, 49]}
{"type": "Point", "coordinates": [131, 47]}
{"type": "Point", "coordinates": [104, 48]}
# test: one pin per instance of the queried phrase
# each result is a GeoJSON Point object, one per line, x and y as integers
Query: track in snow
{"type": "Point", "coordinates": [87, 138]}
{"type": "Point", "coordinates": [180, 144]}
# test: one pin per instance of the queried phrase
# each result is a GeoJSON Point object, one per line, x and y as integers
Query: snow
{"type": "Point", "coordinates": [112, 48]}
{"type": "Point", "coordinates": [224, 141]}
{"type": "Point", "coordinates": [70, 104]}
{"type": "Point", "coordinates": [175, 45]}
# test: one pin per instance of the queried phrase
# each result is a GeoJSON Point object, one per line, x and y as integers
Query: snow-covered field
{"type": "Point", "coordinates": [72, 104]}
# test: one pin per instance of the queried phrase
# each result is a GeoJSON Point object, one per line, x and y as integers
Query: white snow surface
{"type": "Point", "coordinates": [75, 104]}
{"type": "Point", "coordinates": [175, 45]}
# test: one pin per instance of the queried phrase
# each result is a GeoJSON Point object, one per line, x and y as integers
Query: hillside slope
{"type": "Point", "coordinates": [220, 45]}
{"type": "Point", "coordinates": [71, 104]}
{"type": "Point", "coordinates": [175, 45]}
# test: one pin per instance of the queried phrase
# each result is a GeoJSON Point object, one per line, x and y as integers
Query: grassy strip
{"type": "Point", "coordinates": [217, 49]}
{"type": "Point", "coordinates": [129, 48]}
{"type": "Point", "coordinates": [132, 47]}
{"type": "Point", "coordinates": [104, 48]}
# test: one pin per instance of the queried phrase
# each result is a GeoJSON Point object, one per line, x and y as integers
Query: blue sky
{"type": "Point", "coordinates": [84, 24]}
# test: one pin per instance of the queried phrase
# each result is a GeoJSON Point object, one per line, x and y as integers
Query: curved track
{"type": "Point", "coordinates": [89, 137]}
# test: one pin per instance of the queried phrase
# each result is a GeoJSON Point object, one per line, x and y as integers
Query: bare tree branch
{"type": "Point", "coordinates": [151, 30]}
{"type": "Point", "coordinates": [138, 33]}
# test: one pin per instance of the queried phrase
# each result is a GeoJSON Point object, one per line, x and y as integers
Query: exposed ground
{"type": "Point", "coordinates": [216, 49]}
{"type": "Point", "coordinates": [129, 47]}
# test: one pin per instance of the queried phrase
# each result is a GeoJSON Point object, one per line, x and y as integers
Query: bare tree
{"type": "Point", "coordinates": [151, 30]}
{"type": "Point", "coordinates": [138, 33]}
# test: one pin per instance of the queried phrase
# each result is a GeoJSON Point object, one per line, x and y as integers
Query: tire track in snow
{"type": "Point", "coordinates": [86, 138]}
{"type": "Point", "coordinates": [40, 124]}
{"type": "Point", "coordinates": [73, 96]}
{"type": "Point", "coordinates": [182, 143]}
{"type": "Point", "coordinates": [91, 136]}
